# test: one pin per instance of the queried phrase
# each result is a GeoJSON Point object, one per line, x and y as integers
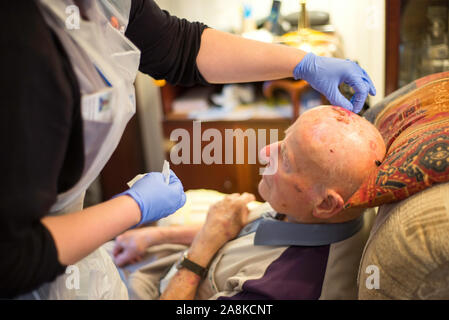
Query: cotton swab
{"type": "Point", "coordinates": [166, 171]}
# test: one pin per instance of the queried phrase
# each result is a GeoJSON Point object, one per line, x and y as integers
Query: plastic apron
{"type": "Point", "coordinates": [105, 63]}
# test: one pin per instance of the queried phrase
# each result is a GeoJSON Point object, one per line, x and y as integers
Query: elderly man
{"type": "Point", "coordinates": [284, 249]}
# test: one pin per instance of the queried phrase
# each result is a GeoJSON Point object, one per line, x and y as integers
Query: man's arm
{"type": "Point", "coordinates": [184, 284]}
{"type": "Point", "coordinates": [227, 58]}
{"type": "Point", "coordinates": [224, 221]}
{"type": "Point", "coordinates": [131, 245]}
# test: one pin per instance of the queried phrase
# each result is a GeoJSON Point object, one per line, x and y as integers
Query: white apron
{"type": "Point", "coordinates": [105, 63]}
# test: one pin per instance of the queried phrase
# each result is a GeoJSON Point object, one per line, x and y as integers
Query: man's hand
{"type": "Point", "coordinates": [131, 245]}
{"type": "Point", "coordinates": [224, 221]}
{"type": "Point", "coordinates": [226, 218]}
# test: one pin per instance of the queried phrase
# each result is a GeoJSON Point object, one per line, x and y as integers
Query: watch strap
{"type": "Point", "coordinates": [192, 266]}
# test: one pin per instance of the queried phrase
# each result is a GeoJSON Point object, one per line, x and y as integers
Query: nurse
{"type": "Point", "coordinates": [67, 94]}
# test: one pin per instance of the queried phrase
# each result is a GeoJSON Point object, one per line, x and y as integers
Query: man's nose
{"type": "Point", "coordinates": [266, 151]}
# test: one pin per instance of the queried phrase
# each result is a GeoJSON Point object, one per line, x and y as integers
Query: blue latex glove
{"type": "Point", "coordinates": [155, 198]}
{"type": "Point", "coordinates": [326, 74]}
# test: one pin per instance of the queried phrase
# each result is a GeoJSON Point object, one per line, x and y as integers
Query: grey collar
{"type": "Point", "coordinates": [272, 232]}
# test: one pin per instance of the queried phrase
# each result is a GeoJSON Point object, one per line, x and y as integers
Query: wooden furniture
{"type": "Point", "coordinates": [295, 88]}
{"type": "Point", "coordinates": [392, 39]}
{"type": "Point", "coordinates": [416, 40]}
{"type": "Point", "coordinates": [126, 161]}
{"type": "Point", "coordinates": [226, 178]}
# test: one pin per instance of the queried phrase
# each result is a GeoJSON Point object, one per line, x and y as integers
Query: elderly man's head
{"type": "Point", "coordinates": [322, 161]}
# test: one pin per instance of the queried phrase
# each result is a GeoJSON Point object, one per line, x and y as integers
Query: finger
{"type": "Point", "coordinates": [361, 93]}
{"type": "Point", "coordinates": [232, 197]}
{"type": "Point", "coordinates": [176, 183]}
{"type": "Point", "coordinates": [243, 210]}
{"type": "Point", "coordinates": [122, 259]}
{"type": "Point", "coordinates": [358, 100]}
{"type": "Point", "coordinates": [117, 249]}
{"type": "Point", "coordinates": [173, 177]}
{"type": "Point", "coordinates": [371, 86]}
{"type": "Point", "coordinates": [247, 197]}
{"type": "Point", "coordinates": [337, 99]}
{"type": "Point", "coordinates": [155, 176]}
{"type": "Point", "coordinates": [247, 194]}
{"type": "Point", "coordinates": [242, 204]}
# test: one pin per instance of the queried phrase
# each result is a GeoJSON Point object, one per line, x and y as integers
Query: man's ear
{"type": "Point", "coordinates": [328, 206]}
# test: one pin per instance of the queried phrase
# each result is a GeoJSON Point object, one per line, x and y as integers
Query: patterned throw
{"type": "Point", "coordinates": [414, 122]}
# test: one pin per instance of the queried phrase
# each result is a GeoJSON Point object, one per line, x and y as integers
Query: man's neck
{"type": "Point", "coordinates": [343, 216]}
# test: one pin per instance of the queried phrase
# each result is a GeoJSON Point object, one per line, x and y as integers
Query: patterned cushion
{"type": "Point", "coordinates": [414, 123]}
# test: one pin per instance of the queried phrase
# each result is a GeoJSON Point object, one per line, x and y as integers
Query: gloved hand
{"type": "Point", "coordinates": [155, 198]}
{"type": "Point", "coordinates": [326, 74]}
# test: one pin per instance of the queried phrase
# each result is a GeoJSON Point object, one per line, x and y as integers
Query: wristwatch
{"type": "Point", "coordinates": [192, 266]}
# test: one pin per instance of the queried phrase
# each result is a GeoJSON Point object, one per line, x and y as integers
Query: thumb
{"type": "Point", "coordinates": [361, 93]}
{"type": "Point", "coordinates": [358, 100]}
{"type": "Point", "coordinates": [117, 248]}
{"type": "Point", "coordinates": [337, 99]}
{"type": "Point", "coordinates": [247, 197]}
{"type": "Point", "coordinates": [244, 199]}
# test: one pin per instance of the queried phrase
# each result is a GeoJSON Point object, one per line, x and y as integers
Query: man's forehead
{"type": "Point", "coordinates": [292, 127]}
{"type": "Point", "coordinates": [323, 117]}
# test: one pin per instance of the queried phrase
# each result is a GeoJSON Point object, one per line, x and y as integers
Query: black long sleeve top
{"type": "Point", "coordinates": [41, 130]}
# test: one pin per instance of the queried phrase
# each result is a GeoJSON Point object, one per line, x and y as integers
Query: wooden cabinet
{"type": "Point", "coordinates": [126, 161]}
{"type": "Point", "coordinates": [227, 178]}
{"type": "Point", "coordinates": [392, 15]}
{"type": "Point", "coordinates": [417, 40]}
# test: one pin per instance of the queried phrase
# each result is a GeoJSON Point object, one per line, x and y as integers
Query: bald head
{"type": "Point", "coordinates": [323, 160]}
{"type": "Point", "coordinates": [338, 147]}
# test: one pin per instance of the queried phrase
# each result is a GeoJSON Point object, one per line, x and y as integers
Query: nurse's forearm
{"type": "Point", "coordinates": [77, 234]}
{"type": "Point", "coordinates": [227, 58]}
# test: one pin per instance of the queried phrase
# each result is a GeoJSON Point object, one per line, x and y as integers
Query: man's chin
{"type": "Point", "coordinates": [263, 190]}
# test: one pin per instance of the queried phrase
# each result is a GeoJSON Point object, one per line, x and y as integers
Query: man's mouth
{"type": "Point", "coordinates": [266, 178]}
{"type": "Point", "coordinates": [270, 168]}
